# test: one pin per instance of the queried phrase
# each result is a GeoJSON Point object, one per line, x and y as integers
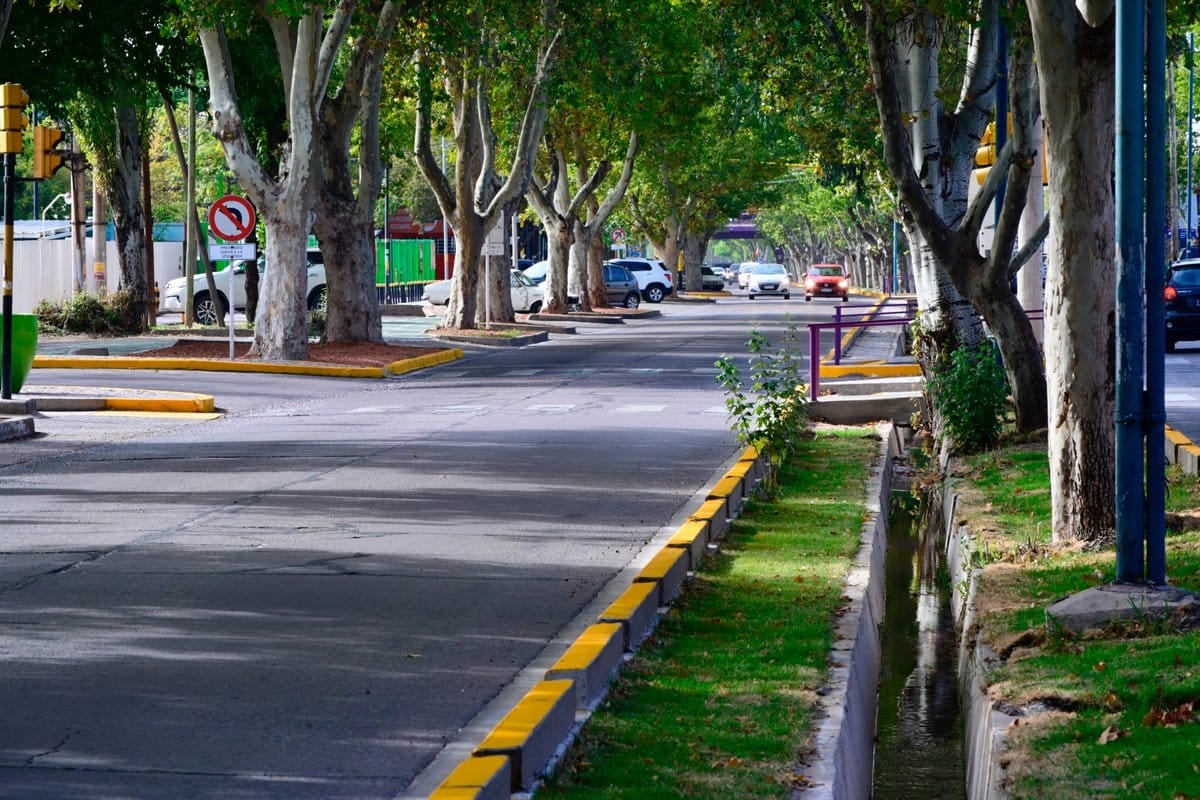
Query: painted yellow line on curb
{"type": "Point", "coordinates": [513, 731]}
{"type": "Point", "coordinates": [200, 404]}
{"type": "Point", "coordinates": [268, 367]}
{"type": "Point", "coordinates": [850, 335]}
{"type": "Point", "coordinates": [871, 370]}
{"type": "Point", "coordinates": [421, 362]}
{"type": "Point", "coordinates": [516, 746]}
{"type": "Point", "coordinates": [472, 776]}
{"type": "Point", "coordinates": [189, 416]}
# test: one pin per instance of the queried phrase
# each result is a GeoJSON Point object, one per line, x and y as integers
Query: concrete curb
{"type": "Point", "coordinates": [18, 427]}
{"type": "Point", "coordinates": [843, 735]}
{"type": "Point", "coordinates": [496, 341]}
{"type": "Point", "coordinates": [264, 367]}
{"type": "Point", "coordinates": [590, 661]}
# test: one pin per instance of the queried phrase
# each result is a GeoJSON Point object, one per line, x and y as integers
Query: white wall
{"type": "Point", "coordinates": [43, 270]}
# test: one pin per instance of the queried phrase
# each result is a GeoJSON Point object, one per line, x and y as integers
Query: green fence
{"type": "Point", "coordinates": [411, 262]}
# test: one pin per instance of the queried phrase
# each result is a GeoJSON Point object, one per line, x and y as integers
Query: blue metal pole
{"type": "Point", "coordinates": [1156, 271]}
{"type": "Point", "coordinates": [1130, 187]}
{"type": "Point", "coordinates": [1187, 237]}
{"type": "Point", "coordinates": [895, 256]}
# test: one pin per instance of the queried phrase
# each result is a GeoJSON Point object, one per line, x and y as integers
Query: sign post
{"type": "Point", "coordinates": [232, 218]}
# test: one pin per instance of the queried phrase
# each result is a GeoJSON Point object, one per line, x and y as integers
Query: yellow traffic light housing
{"type": "Point", "coordinates": [46, 158]}
{"type": "Point", "coordinates": [13, 101]}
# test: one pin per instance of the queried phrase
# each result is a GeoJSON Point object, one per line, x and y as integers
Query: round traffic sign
{"type": "Point", "coordinates": [616, 234]}
{"type": "Point", "coordinates": [231, 218]}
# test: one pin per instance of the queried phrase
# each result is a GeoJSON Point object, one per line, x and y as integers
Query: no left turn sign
{"type": "Point", "coordinates": [616, 234]}
{"type": "Point", "coordinates": [231, 218]}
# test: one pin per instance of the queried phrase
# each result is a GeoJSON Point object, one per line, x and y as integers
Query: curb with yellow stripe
{"type": "Point", "coordinates": [268, 367]}
{"type": "Point", "coordinates": [515, 755]}
{"type": "Point", "coordinates": [866, 369]}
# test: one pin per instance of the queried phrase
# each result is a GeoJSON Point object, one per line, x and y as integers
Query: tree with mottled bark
{"type": "Point", "coordinates": [307, 50]}
{"type": "Point", "coordinates": [931, 179]}
{"type": "Point", "coordinates": [1075, 44]}
{"type": "Point", "coordinates": [474, 202]}
{"type": "Point", "coordinates": [345, 208]}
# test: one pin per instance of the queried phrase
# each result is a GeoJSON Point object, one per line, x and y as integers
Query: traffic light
{"type": "Point", "coordinates": [13, 100]}
{"type": "Point", "coordinates": [985, 156]}
{"type": "Point", "coordinates": [46, 159]}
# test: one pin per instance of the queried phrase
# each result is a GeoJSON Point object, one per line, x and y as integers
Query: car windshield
{"type": "Point", "coordinates": [1186, 276]}
{"type": "Point", "coordinates": [521, 278]}
{"type": "Point", "coordinates": [769, 269]}
{"type": "Point", "coordinates": [831, 272]}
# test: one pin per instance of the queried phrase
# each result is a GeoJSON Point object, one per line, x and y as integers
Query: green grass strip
{"type": "Point", "coordinates": [1112, 712]}
{"type": "Point", "coordinates": [718, 703]}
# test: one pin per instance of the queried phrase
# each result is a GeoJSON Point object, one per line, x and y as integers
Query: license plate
{"type": "Point", "coordinates": [1193, 302]}
{"type": "Point", "coordinates": [825, 289]}
{"type": "Point", "coordinates": [769, 287]}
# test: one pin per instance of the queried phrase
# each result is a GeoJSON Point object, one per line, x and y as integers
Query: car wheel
{"type": "Point", "coordinates": [845, 298]}
{"type": "Point", "coordinates": [536, 307]}
{"type": "Point", "coordinates": [319, 299]}
{"type": "Point", "coordinates": [808, 298]}
{"type": "Point", "coordinates": [753, 296]}
{"type": "Point", "coordinates": [787, 296]}
{"type": "Point", "coordinates": [655, 293]}
{"type": "Point", "coordinates": [204, 309]}
{"type": "Point", "coordinates": [632, 300]}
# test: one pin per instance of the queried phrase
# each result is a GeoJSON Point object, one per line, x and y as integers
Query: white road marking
{"type": "Point", "coordinates": [636, 409]}
{"type": "Point", "coordinates": [551, 409]}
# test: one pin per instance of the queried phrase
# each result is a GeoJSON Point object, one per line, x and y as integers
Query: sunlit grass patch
{"type": "Point", "coordinates": [717, 704]}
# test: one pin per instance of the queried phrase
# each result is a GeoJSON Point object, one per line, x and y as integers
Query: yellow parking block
{"type": "Point", "coordinates": [477, 778]}
{"type": "Point", "coordinates": [692, 538]}
{"type": "Point", "coordinates": [636, 610]}
{"type": "Point", "coordinates": [533, 730]}
{"type": "Point", "coordinates": [590, 661]}
{"type": "Point", "coordinates": [667, 570]}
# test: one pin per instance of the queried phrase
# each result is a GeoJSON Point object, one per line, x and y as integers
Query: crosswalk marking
{"type": "Point", "coordinates": [551, 409]}
{"type": "Point", "coordinates": [706, 371]}
{"type": "Point", "coordinates": [461, 409]}
{"type": "Point", "coordinates": [520, 373]}
{"type": "Point", "coordinates": [716, 410]}
{"type": "Point", "coordinates": [647, 370]}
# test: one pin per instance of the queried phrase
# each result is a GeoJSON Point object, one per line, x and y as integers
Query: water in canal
{"type": "Point", "coordinates": [919, 749]}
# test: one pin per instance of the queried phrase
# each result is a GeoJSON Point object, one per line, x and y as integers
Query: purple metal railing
{"type": "Point", "coordinates": [815, 329]}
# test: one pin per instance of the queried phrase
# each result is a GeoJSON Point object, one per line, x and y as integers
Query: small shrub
{"type": "Point", "coordinates": [970, 393]}
{"type": "Point", "coordinates": [772, 413]}
{"type": "Point", "coordinates": [316, 323]}
{"type": "Point", "coordinates": [117, 314]}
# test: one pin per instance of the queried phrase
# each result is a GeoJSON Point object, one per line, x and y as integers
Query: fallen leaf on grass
{"type": "Point", "coordinates": [1111, 734]}
{"type": "Point", "coordinates": [1169, 718]}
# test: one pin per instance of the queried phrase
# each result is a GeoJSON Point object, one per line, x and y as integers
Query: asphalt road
{"type": "Point", "coordinates": [319, 593]}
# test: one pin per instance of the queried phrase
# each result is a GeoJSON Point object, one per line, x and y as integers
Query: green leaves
{"type": "Point", "coordinates": [772, 412]}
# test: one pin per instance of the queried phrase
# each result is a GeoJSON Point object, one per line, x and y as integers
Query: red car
{"type": "Point", "coordinates": [827, 280]}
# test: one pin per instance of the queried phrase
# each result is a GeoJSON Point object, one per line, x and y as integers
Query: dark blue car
{"type": "Point", "coordinates": [1182, 296]}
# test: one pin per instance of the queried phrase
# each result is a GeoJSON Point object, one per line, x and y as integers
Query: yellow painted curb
{"type": "Point", "coordinates": [850, 335]}
{"type": "Point", "coordinates": [871, 370]}
{"type": "Point", "coordinates": [726, 487]}
{"type": "Point", "coordinates": [661, 565]}
{"type": "Point", "coordinates": [421, 362]}
{"type": "Point", "coordinates": [516, 727]}
{"type": "Point", "coordinates": [205, 365]}
{"type": "Point", "coordinates": [199, 404]}
{"type": "Point", "coordinates": [471, 776]}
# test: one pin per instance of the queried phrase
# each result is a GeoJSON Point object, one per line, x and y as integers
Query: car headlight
{"type": "Point", "coordinates": [810, 284]}
{"type": "Point", "coordinates": [842, 284]}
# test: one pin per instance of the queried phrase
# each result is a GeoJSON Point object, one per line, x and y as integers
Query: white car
{"type": "Point", "coordinates": [204, 310]}
{"type": "Point", "coordinates": [526, 295]}
{"type": "Point", "coordinates": [653, 277]}
{"type": "Point", "coordinates": [768, 279]}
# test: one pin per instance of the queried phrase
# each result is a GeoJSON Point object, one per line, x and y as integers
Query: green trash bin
{"type": "Point", "coordinates": [24, 346]}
